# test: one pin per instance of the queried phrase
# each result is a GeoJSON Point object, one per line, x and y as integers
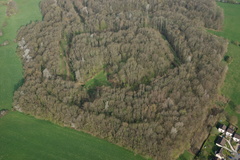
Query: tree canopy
{"type": "Point", "coordinates": [163, 70]}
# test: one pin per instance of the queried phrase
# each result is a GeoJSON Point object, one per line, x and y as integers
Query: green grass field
{"type": "Point", "coordinates": [10, 65]}
{"type": "Point", "coordinates": [231, 86]}
{"type": "Point", "coordinates": [186, 156]}
{"type": "Point", "coordinates": [231, 27]}
{"type": "Point", "coordinates": [99, 80]}
{"type": "Point", "coordinates": [26, 138]}
{"type": "Point", "coordinates": [231, 31]}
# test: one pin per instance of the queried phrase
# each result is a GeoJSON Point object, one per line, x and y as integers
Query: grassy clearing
{"type": "Point", "coordinates": [231, 32]}
{"type": "Point", "coordinates": [231, 86]}
{"type": "Point", "coordinates": [186, 156]}
{"type": "Point", "coordinates": [209, 147]}
{"type": "Point", "coordinates": [62, 66]}
{"type": "Point", "coordinates": [10, 65]}
{"type": "Point", "coordinates": [24, 137]}
{"type": "Point", "coordinates": [99, 80]}
{"type": "Point", "coordinates": [231, 28]}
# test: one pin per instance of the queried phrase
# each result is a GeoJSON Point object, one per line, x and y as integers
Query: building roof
{"type": "Point", "coordinates": [222, 126]}
{"type": "Point", "coordinates": [230, 130]}
{"type": "Point", "coordinates": [221, 141]}
{"type": "Point", "coordinates": [236, 136]}
{"type": "Point", "coordinates": [220, 152]}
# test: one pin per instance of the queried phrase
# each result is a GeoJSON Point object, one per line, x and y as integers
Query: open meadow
{"type": "Point", "coordinates": [10, 65]}
{"type": "Point", "coordinates": [186, 156]}
{"type": "Point", "coordinates": [26, 138]}
{"type": "Point", "coordinates": [231, 31]}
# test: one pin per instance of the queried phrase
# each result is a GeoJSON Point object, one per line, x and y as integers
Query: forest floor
{"type": "Point", "coordinates": [25, 137]}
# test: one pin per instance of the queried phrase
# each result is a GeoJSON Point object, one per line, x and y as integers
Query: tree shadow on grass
{"type": "Point", "coordinates": [232, 105]}
{"type": "Point", "coordinates": [93, 89]}
{"type": "Point", "coordinates": [18, 84]}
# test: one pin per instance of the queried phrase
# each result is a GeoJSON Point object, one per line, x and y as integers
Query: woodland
{"type": "Point", "coordinates": [163, 71]}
